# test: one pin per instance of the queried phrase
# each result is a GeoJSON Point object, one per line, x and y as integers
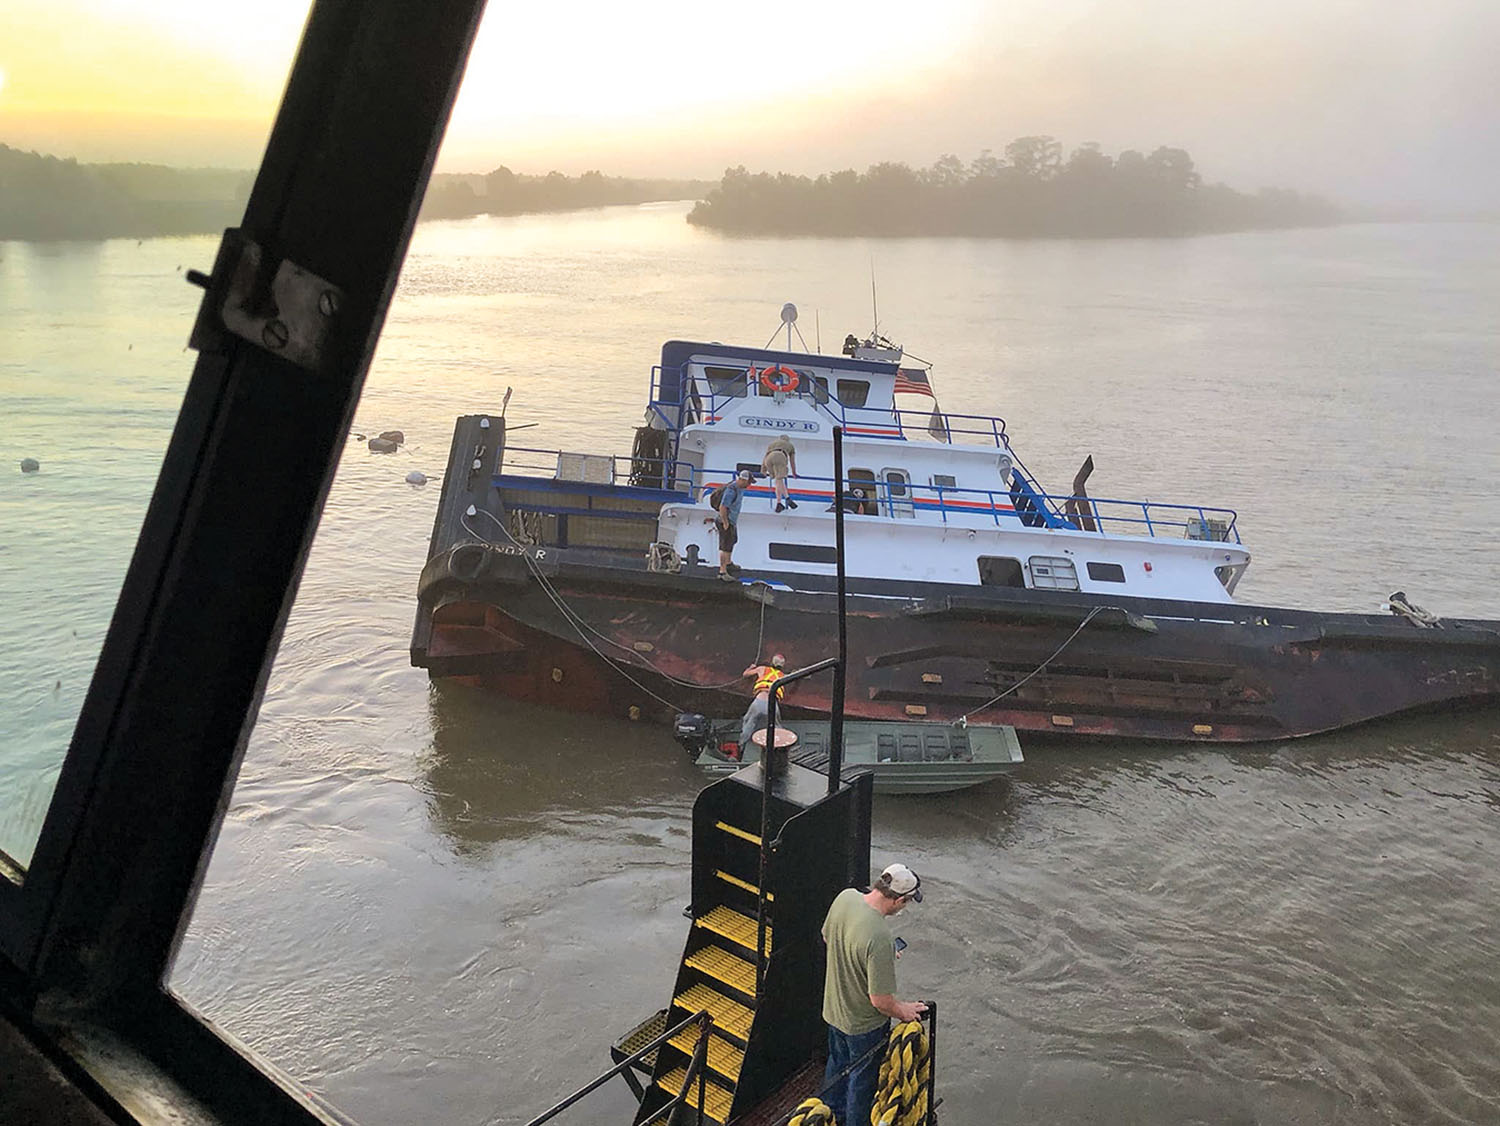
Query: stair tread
{"type": "Point", "coordinates": [723, 1057]}
{"type": "Point", "coordinates": [744, 885]}
{"type": "Point", "coordinates": [736, 831]}
{"type": "Point", "coordinates": [720, 964]}
{"type": "Point", "coordinates": [719, 1099]}
{"type": "Point", "coordinates": [733, 925]}
{"type": "Point", "coordinates": [728, 1014]}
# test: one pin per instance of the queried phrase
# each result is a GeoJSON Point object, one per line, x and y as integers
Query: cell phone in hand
{"type": "Point", "coordinates": [899, 944]}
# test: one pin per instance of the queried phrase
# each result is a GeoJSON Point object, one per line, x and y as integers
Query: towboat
{"type": "Point", "coordinates": [591, 582]}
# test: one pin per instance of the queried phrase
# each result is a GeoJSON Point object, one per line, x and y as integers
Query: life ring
{"type": "Point", "coordinates": [789, 380]}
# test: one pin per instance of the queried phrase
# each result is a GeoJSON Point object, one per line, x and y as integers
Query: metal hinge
{"type": "Point", "coordinates": [281, 307]}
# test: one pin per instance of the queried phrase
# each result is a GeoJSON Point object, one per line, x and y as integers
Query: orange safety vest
{"type": "Point", "coordinates": [768, 676]}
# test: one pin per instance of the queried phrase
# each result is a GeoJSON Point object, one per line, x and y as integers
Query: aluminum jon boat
{"type": "Point", "coordinates": [905, 758]}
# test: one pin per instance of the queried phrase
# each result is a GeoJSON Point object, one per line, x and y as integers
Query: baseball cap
{"type": "Point", "coordinates": [778, 661]}
{"type": "Point", "coordinates": [902, 881]}
{"type": "Point", "coordinates": [745, 474]}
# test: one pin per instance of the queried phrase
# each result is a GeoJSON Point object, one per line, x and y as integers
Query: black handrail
{"type": "Point", "coordinates": [767, 775]}
{"type": "Point", "coordinates": [630, 1061]}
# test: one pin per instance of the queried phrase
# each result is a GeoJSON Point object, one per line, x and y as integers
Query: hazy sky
{"type": "Point", "coordinates": [1367, 100]}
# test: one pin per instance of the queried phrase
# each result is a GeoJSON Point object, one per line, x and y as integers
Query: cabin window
{"type": "Point", "coordinates": [819, 388]}
{"type": "Point", "coordinates": [1106, 572]}
{"type": "Point", "coordinates": [854, 392]}
{"type": "Point", "coordinates": [944, 481]}
{"type": "Point", "coordinates": [1053, 572]}
{"type": "Point", "coordinates": [803, 552]}
{"type": "Point", "coordinates": [726, 383]}
{"type": "Point", "coordinates": [999, 570]}
{"type": "Point", "coordinates": [898, 491]}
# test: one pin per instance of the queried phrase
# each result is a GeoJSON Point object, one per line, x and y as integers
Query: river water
{"type": "Point", "coordinates": [432, 905]}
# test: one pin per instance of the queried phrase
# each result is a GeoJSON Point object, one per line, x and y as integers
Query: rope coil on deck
{"type": "Point", "coordinates": [901, 1095]}
{"type": "Point", "coordinates": [812, 1112]}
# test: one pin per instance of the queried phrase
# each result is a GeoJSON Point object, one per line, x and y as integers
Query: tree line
{"type": "Point", "coordinates": [1032, 191]}
{"type": "Point", "coordinates": [503, 192]}
{"type": "Point", "coordinates": [47, 197]}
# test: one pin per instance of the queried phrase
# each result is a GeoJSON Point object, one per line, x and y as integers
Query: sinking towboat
{"type": "Point", "coordinates": [914, 757]}
{"type": "Point", "coordinates": [590, 581]}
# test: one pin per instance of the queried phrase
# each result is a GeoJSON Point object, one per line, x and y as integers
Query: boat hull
{"type": "Point", "coordinates": [615, 639]}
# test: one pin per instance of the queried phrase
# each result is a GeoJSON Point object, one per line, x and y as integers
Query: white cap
{"type": "Point", "coordinates": [902, 881]}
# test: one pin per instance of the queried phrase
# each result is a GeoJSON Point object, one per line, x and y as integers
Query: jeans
{"type": "Point", "coordinates": [851, 1097]}
{"type": "Point", "coordinates": [755, 719]}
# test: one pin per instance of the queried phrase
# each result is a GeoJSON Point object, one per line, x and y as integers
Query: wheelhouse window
{"type": "Point", "coordinates": [1000, 570]}
{"type": "Point", "coordinates": [854, 392]}
{"type": "Point", "coordinates": [1106, 572]}
{"type": "Point", "coordinates": [726, 383]}
{"type": "Point", "coordinates": [1053, 572]}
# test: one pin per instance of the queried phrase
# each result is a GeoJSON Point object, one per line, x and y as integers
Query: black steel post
{"type": "Point", "coordinates": [836, 716]}
{"type": "Point", "coordinates": [932, 1062]}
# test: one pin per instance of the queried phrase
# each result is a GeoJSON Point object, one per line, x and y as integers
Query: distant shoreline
{"type": "Point", "coordinates": [1031, 193]}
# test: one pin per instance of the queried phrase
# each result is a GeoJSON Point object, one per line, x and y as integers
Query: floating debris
{"type": "Point", "coordinates": [30, 465]}
{"type": "Point", "coordinates": [393, 436]}
{"type": "Point", "coordinates": [382, 446]}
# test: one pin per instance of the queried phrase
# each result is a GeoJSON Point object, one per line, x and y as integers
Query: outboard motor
{"type": "Point", "coordinates": [693, 733]}
{"type": "Point", "coordinates": [696, 734]}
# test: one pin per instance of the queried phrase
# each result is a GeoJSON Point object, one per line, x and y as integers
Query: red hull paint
{"type": "Point", "coordinates": [1185, 682]}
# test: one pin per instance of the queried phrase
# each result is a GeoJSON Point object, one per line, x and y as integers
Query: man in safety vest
{"type": "Point", "coordinates": [755, 715]}
{"type": "Point", "coordinates": [859, 988]}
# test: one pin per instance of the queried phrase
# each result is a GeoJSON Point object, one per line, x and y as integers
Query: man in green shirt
{"type": "Point", "coordinates": [859, 989]}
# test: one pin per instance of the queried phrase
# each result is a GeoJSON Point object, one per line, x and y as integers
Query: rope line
{"type": "Point", "coordinates": [963, 720]}
{"type": "Point", "coordinates": [583, 628]}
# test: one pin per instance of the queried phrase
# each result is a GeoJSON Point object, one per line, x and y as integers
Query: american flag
{"type": "Point", "coordinates": [913, 381]}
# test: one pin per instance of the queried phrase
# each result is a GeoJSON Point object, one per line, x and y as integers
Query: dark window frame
{"type": "Point", "coordinates": [93, 923]}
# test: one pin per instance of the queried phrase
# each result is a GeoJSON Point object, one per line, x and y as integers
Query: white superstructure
{"type": "Point", "coordinates": [946, 500]}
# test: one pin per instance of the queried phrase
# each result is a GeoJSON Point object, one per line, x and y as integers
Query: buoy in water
{"type": "Point", "coordinates": [30, 465]}
{"type": "Point", "coordinates": [393, 436]}
{"type": "Point", "coordinates": [382, 446]}
{"type": "Point", "coordinates": [416, 477]}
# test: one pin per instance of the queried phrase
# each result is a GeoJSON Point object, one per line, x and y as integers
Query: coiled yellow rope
{"type": "Point", "coordinates": [901, 1096]}
{"type": "Point", "coordinates": [812, 1112]}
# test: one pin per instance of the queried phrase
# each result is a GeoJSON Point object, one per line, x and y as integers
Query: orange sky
{"type": "Point", "coordinates": [1384, 102]}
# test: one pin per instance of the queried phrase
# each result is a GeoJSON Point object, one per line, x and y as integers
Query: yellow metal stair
{"type": "Point", "coordinates": [723, 1056]}
{"type": "Point", "coordinates": [721, 965]}
{"type": "Point", "coordinates": [739, 928]}
{"type": "Point", "coordinates": [728, 1015]}
{"type": "Point", "coordinates": [744, 885]}
{"type": "Point", "coordinates": [735, 831]}
{"type": "Point", "coordinates": [719, 1099]}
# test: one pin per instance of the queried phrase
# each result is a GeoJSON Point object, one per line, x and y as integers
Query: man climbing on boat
{"type": "Point", "coordinates": [780, 457]}
{"type": "Point", "coordinates": [730, 502]}
{"type": "Point", "coordinates": [859, 988]}
{"type": "Point", "coordinates": [756, 714]}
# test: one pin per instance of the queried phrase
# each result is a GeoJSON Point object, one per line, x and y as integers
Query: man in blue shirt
{"type": "Point", "coordinates": [728, 521]}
